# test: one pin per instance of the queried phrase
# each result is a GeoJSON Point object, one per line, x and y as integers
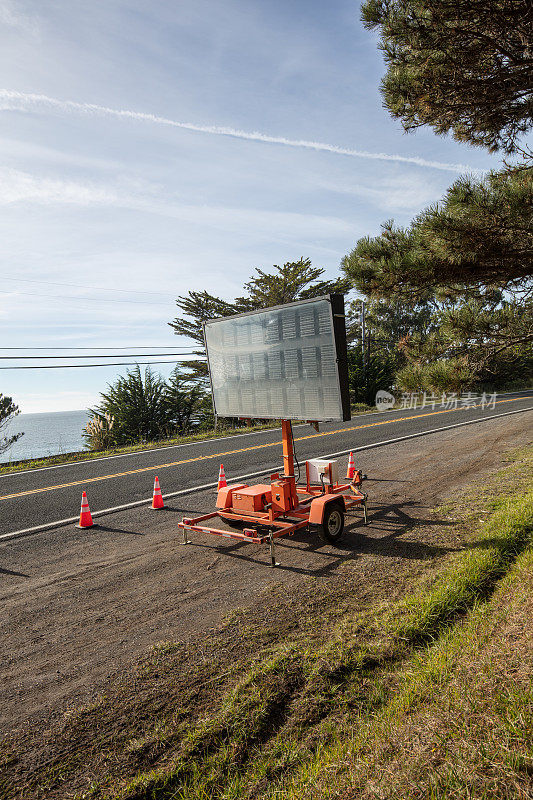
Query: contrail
{"type": "Point", "coordinates": [20, 101]}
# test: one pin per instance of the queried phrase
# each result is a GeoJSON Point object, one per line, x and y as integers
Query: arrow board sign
{"type": "Point", "coordinates": [285, 362]}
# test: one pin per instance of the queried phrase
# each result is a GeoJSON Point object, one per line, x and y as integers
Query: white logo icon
{"type": "Point", "coordinates": [384, 400]}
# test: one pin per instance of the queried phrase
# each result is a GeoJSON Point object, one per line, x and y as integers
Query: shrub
{"type": "Point", "coordinates": [98, 432]}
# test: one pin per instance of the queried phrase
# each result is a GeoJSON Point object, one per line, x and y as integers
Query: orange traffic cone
{"type": "Point", "coordinates": [221, 478]}
{"type": "Point", "coordinates": [351, 467]}
{"type": "Point", "coordinates": [86, 521]}
{"type": "Point", "coordinates": [157, 501]}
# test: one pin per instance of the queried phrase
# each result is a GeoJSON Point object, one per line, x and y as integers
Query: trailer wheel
{"type": "Point", "coordinates": [332, 526]}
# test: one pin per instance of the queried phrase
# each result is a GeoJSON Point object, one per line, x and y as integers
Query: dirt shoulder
{"type": "Point", "coordinates": [82, 608]}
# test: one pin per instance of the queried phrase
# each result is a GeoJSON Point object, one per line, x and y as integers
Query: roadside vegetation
{"type": "Point", "coordinates": [461, 69]}
{"type": "Point", "coordinates": [141, 407]}
{"type": "Point", "coordinates": [8, 411]}
{"type": "Point", "coordinates": [416, 686]}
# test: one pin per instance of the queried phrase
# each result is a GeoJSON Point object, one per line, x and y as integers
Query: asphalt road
{"type": "Point", "coordinates": [45, 496]}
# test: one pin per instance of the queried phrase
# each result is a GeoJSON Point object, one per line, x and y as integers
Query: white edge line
{"type": "Point", "coordinates": [199, 442]}
{"type": "Point", "coordinates": [193, 489]}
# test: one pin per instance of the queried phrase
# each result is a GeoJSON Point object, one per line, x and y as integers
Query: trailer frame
{"type": "Point", "coordinates": [295, 507]}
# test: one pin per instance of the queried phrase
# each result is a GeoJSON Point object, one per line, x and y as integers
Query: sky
{"type": "Point", "coordinates": [151, 148]}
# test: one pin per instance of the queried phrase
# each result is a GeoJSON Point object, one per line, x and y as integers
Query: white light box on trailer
{"type": "Point", "coordinates": [285, 362]}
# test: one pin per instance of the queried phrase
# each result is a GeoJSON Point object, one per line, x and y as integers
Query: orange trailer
{"type": "Point", "coordinates": [266, 511]}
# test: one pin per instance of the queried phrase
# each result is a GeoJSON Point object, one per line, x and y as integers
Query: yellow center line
{"type": "Point", "coordinates": [228, 453]}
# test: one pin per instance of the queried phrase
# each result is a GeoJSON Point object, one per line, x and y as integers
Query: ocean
{"type": "Point", "coordinates": [45, 434]}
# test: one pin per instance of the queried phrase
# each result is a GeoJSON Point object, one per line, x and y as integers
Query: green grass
{"type": "Point", "coordinates": [87, 455]}
{"type": "Point", "coordinates": [277, 734]}
{"type": "Point", "coordinates": [459, 720]}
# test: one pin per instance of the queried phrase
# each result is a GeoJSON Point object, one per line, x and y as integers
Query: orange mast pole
{"type": "Point", "coordinates": [288, 458]}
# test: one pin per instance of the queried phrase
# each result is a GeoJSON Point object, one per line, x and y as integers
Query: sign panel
{"type": "Point", "coordinates": [286, 362]}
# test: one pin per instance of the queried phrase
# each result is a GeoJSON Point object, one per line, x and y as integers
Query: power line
{"type": "Point", "coordinates": [51, 347]}
{"type": "Point", "coordinates": [112, 355]}
{"type": "Point", "coordinates": [88, 366]}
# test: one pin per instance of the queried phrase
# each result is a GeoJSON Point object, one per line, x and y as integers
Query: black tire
{"type": "Point", "coordinates": [330, 531]}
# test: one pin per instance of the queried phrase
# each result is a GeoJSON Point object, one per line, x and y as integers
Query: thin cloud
{"type": "Point", "coordinates": [406, 192]}
{"type": "Point", "coordinates": [13, 17]}
{"type": "Point", "coordinates": [20, 101]}
{"type": "Point", "coordinates": [17, 187]}
{"type": "Point", "coordinates": [22, 187]}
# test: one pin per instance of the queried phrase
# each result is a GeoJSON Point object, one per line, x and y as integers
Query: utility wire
{"type": "Point", "coordinates": [112, 355]}
{"type": "Point", "coordinates": [51, 347]}
{"type": "Point", "coordinates": [88, 366]}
